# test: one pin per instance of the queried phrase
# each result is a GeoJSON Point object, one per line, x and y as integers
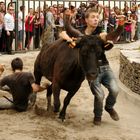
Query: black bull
{"type": "Point", "coordinates": [66, 68]}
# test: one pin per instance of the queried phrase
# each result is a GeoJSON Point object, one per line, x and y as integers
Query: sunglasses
{"type": "Point", "coordinates": [11, 9]}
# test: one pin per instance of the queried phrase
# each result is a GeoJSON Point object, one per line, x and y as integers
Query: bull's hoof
{"type": "Point", "coordinates": [50, 108]}
{"type": "Point", "coordinates": [62, 117]}
{"type": "Point", "coordinates": [56, 110]}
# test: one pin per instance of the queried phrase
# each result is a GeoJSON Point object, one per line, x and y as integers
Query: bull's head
{"type": "Point", "coordinates": [90, 48]}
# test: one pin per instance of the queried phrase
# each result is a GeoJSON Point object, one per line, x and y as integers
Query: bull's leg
{"type": "Point", "coordinates": [49, 93]}
{"type": "Point", "coordinates": [38, 76]}
{"type": "Point", "coordinates": [66, 103]}
{"type": "Point", "coordinates": [56, 94]}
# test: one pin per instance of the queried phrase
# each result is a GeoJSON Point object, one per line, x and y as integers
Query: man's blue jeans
{"type": "Point", "coordinates": [106, 78]}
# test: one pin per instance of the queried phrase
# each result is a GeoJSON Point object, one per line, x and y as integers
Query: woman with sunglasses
{"type": "Point", "coordinates": [9, 28]}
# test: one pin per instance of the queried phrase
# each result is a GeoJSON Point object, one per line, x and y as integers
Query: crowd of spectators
{"type": "Point", "coordinates": [40, 19]}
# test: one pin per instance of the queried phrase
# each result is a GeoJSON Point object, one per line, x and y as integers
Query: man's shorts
{"type": "Point", "coordinates": [20, 35]}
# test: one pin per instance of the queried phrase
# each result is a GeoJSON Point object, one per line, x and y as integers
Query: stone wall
{"type": "Point", "coordinates": [130, 69]}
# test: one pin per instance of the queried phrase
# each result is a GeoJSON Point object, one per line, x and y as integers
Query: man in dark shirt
{"type": "Point", "coordinates": [105, 76]}
{"type": "Point", "coordinates": [21, 85]}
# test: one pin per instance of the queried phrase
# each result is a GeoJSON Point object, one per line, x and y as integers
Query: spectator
{"type": "Point", "coordinates": [55, 10]}
{"type": "Point", "coordinates": [138, 21]}
{"type": "Point", "coordinates": [20, 27]}
{"type": "Point", "coordinates": [50, 21]}
{"type": "Point", "coordinates": [40, 11]}
{"type": "Point", "coordinates": [2, 12]}
{"type": "Point", "coordinates": [29, 21]}
{"type": "Point", "coordinates": [112, 21]}
{"type": "Point", "coordinates": [73, 15]}
{"type": "Point", "coordinates": [9, 29]}
{"type": "Point", "coordinates": [61, 22]}
{"type": "Point", "coordinates": [37, 27]}
{"type": "Point", "coordinates": [134, 21]}
{"type": "Point", "coordinates": [60, 8]}
{"type": "Point", "coordinates": [117, 10]}
{"type": "Point", "coordinates": [80, 17]}
{"type": "Point", "coordinates": [126, 8]}
{"type": "Point", "coordinates": [128, 27]}
{"type": "Point", "coordinates": [106, 17]}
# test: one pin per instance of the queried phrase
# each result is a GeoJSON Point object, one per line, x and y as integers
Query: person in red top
{"type": "Point", "coordinates": [29, 21]}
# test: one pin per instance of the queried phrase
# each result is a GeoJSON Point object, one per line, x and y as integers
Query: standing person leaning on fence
{"type": "Point", "coordinates": [20, 27]}
{"type": "Point", "coordinates": [29, 23]}
{"type": "Point", "coordinates": [2, 38]}
{"type": "Point", "coordinates": [9, 25]}
{"type": "Point", "coordinates": [134, 21]}
{"type": "Point", "coordinates": [138, 21]}
{"type": "Point", "coordinates": [37, 27]}
{"type": "Point", "coordinates": [105, 75]}
{"type": "Point", "coordinates": [128, 27]}
{"type": "Point", "coordinates": [2, 9]}
{"type": "Point", "coordinates": [50, 22]}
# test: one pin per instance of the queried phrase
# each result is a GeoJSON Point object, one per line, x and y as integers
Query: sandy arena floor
{"type": "Point", "coordinates": [38, 124]}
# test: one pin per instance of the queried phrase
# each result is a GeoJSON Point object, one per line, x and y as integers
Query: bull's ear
{"type": "Point", "coordinates": [108, 45]}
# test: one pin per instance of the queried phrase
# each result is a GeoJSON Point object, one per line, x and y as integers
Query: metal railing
{"type": "Point", "coordinates": [42, 3]}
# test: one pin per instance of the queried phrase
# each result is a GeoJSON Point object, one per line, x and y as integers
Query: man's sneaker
{"type": "Point", "coordinates": [32, 99]}
{"type": "Point", "coordinates": [97, 120]}
{"type": "Point", "coordinates": [113, 114]}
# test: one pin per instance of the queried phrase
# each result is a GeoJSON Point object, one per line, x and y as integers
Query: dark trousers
{"type": "Point", "coordinates": [2, 42]}
{"type": "Point", "coordinates": [37, 37]}
{"type": "Point", "coordinates": [9, 41]}
{"type": "Point", "coordinates": [28, 38]}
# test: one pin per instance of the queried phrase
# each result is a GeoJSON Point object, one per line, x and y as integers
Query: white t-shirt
{"type": "Point", "coordinates": [138, 15]}
{"type": "Point", "coordinates": [20, 21]}
{"type": "Point", "coordinates": [9, 22]}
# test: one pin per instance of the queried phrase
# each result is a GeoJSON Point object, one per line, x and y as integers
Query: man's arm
{"type": "Point", "coordinates": [35, 87]}
{"type": "Point", "coordinates": [4, 82]}
{"type": "Point", "coordinates": [38, 88]}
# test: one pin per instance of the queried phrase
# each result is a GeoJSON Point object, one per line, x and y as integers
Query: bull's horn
{"type": "Point", "coordinates": [108, 45]}
{"type": "Point", "coordinates": [115, 34]}
{"type": "Point", "coordinates": [71, 31]}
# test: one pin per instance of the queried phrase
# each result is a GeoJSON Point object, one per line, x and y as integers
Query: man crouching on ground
{"type": "Point", "coordinates": [22, 87]}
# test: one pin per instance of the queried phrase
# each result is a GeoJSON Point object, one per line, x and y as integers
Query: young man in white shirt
{"type": "Point", "coordinates": [20, 27]}
{"type": "Point", "coordinates": [9, 28]}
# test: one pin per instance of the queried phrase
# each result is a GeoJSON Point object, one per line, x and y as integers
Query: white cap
{"type": "Point", "coordinates": [112, 12]}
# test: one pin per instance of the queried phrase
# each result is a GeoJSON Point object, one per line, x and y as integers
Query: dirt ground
{"type": "Point", "coordinates": [38, 124]}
